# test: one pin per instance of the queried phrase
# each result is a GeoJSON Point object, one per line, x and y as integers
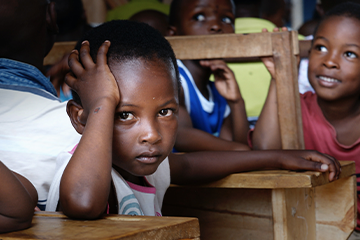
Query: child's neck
{"type": "Point", "coordinates": [340, 109]}
{"type": "Point", "coordinates": [131, 178]}
{"type": "Point", "coordinates": [344, 116]}
{"type": "Point", "coordinates": [200, 75]}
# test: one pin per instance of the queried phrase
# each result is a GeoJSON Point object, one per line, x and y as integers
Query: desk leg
{"type": "Point", "coordinates": [294, 214]}
{"type": "Point", "coordinates": [336, 209]}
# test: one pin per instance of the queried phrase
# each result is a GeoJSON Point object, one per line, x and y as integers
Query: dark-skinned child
{"type": "Point", "coordinates": [34, 127]}
{"type": "Point", "coordinates": [212, 114]}
{"type": "Point", "coordinates": [18, 199]}
{"type": "Point", "coordinates": [331, 115]}
{"type": "Point", "coordinates": [126, 108]}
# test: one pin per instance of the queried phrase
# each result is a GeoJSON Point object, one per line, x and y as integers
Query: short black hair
{"type": "Point", "coordinates": [130, 40]}
{"type": "Point", "coordinates": [346, 9]}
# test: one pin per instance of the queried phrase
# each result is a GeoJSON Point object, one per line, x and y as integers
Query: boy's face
{"type": "Point", "coordinates": [334, 61]}
{"type": "Point", "coordinates": [201, 17]}
{"type": "Point", "coordinates": [146, 122]}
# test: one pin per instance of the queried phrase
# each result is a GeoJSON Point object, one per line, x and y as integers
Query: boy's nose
{"type": "Point", "coordinates": [215, 27]}
{"type": "Point", "coordinates": [149, 133]}
{"type": "Point", "coordinates": [331, 61]}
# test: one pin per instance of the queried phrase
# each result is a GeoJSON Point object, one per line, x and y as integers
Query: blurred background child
{"type": "Point", "coordinates": [212, 114]}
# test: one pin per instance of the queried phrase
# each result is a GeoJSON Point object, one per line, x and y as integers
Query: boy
{"type": "Point", "coordinates": [212, 114]}
{"type": "Point", "coordinates": [126, 106]}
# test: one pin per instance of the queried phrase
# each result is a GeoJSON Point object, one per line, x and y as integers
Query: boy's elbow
{"type": "Point", "coordinates": [79, 208]}
{"type": "Point", "coordinates": [16, 224]}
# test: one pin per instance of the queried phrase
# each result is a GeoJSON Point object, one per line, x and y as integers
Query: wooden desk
{"type": "Point", "coordinates": [270, 205]}
{"type": "Point", "coordinates": [50, 225]}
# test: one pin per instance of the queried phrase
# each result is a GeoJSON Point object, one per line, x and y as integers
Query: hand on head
{"type": "Point", "coordinates": [225, 81]}
{"type": "Point", "coordinates": [93, 82]}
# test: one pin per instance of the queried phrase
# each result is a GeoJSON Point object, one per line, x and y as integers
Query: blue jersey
{"type": "Point", "coordinates": [208, 122]}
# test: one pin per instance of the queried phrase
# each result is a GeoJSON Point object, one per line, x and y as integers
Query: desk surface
{"type": "Point", "coordinates": [49, 225]}
{"type": "Point", "coordinates": [274, 179]}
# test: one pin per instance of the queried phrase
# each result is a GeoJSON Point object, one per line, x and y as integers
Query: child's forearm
{"type": "Point", "coordinates": [239, 122]}
{"type": "Point", "coordinates": [85, 184]}
{"type": "Point", "coordinates": [16, 204]}
{"type": "Point", "coordinates": [204, 167]}
{"type": "Point", "coordinates": [191, 139]}
{"type": "Point", "coordinates": [266, 134]}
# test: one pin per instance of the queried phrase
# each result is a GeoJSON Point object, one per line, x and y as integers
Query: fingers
{"type": "Point", "coordinates": [86, 60]}
{"type": "Point", "coordinates": [215, 65]}
{"type": "Point", "coordinates": [70, 80]}
{"type": "Point", "coordinates": [101, 57]}
{"type": "Point", "coordinates": [74, 63]}
{"type": "Point", "coordinates": [323, 160]}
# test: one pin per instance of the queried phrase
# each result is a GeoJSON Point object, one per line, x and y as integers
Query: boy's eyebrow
{"type": "Point", "coordinates": [170, 101]}
{"type": "Point", "coordinates": [352, 45]}
{"type": "Point", "coordinates": [162, 105]}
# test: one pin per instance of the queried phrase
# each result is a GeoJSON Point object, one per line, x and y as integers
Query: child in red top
{"type": "Point", "coordinates": [331, 116]}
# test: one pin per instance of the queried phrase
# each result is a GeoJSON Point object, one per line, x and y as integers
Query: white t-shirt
{"type": "Point", "coordinates": [34, 129]}
{"type": "Point", "coordinates": [207, 105]}
{"type": "Point", "coordinates": [132, 199]}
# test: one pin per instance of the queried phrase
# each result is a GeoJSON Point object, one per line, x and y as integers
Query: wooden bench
{"type": "Point", "coordinates": [52, 225]}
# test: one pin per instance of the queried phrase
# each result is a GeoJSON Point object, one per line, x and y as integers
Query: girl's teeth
{"type": "Point", "coordinates": [328, 79]}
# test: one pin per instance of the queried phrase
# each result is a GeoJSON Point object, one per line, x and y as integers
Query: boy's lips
{"type": "Point", "coordinates": [328, 81]}
{"type": "Point", "coordinates": [148, 157]}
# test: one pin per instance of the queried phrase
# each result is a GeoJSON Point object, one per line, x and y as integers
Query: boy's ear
{"type": "Point", "coordinates": [77, 115]}
{"type": "Point", "coordinates": [51, 18]}
{"type": "Point", "coordinates": [172, 31]}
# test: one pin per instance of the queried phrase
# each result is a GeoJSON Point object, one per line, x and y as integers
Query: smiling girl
{"type": "Point", "coordinates": [331, 115]}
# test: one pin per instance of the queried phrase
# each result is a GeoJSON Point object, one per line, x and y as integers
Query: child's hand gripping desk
{"type": "Point", "coordinates": [126, 109]}
{"type": "Point", "coordinates": [282, 207]}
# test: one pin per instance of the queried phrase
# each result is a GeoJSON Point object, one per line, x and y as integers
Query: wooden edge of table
{"type": "Point", "coordinates": [116, 217]}
{"type": "Point", "coordinates": [228, 46]}
{"type": "Point", "coordinates": [274, 179]}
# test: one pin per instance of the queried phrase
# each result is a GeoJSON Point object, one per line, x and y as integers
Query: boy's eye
{"type": "Point", "coordinates": [321, 48]}
{"type": "Point", "coordinates": [126, 116]}
{"type": "Point", "coordinates": [350, 54]}
{"type": "Point", "coordinates": [199, 17]}
{"type": "Point", "coordinates": [166, 112]}
{"type": "Point", "coordinates": [227, 20]}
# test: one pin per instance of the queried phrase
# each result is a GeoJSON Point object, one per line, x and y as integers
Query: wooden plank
{"type": "Point", "coordinates": [289, 109]}
{"type": "Point", "coordinates": [294, 214]}
{"type": "Point", "coordinates": [58, 51]}
{"type": "Point", "coordinates": [276, 179]}
{"type": "Point", "coordinates": [238, 214]}
{"type": "Point", "coordinates": [336, 209]}
{"type": "Point", "coordinates": [56, 226]}
{"type": "Point", "coordinates": [221, 46]}
{"type": "Point", "coordinates": [304, 46]}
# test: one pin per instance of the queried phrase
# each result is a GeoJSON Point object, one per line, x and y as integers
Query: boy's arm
{"type": "Point", "coordinates": [190, 139]}
{"type": "Point", "coordinates": [235, 126]}
{"type": "Point", "coordinates": [85, 183]}
{"type": "Point", "coordinates": [266, 133]}
{"type": "Point", "coordinates": [203, 167]}
{"type": "Point", "coordinates": [18, 199]}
